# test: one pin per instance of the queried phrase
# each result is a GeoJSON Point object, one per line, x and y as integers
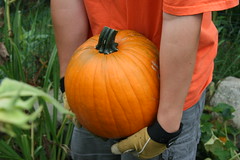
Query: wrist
{"type": "Point", "coordinates": [169, 116]}
{"type": "Point", "coordinates": [158, 134]}
{"type": "Point", "coordinates": [62, 87]}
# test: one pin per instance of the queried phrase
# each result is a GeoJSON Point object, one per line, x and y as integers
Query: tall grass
{"type": "Point", "coordinates": [227, 62]}
{"type": "Point", "coordinates": [28, 37]}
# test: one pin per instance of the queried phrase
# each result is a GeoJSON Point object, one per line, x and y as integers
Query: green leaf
{"type": "Point", "coordinates": [16, 100]}
{"type": "Point", "coordinates": [205, 118]}
{"type": "Point", "coordinates": [10, 88]}
{"type": "Point", "coordinates": [206, 127]}
{"type": "Point", "coordinates": [50, 66]}
{"type": "Point", "coordinates": [15, 117]}
{"type": "Point", "coordinates": [27, 104]}
{"type": "Point", "coordinates": [6, 150]}
{"type": "Point", "coordinates": [229, 144]}
{"type": "Point", "coordinates": [217, 148]}
{"type": "Point", "coordinates": [233, 130]}
{"type": "Point", "coordinates": [224, 110]}
{"type": "Point", "coordinates": [26, 147]}
{"type": "Point", "coordinates": [38, 150]}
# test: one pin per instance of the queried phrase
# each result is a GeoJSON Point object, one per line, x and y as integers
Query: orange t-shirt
{"type": "Point", "coordinates": [145, 16]}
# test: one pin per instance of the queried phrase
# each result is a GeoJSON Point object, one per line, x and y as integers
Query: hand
{"type": "Point", "coordinates": [148, 142]}
{"type": "Point", "coordinates": [66, 105]}
{"type": "Point", "coordinates": [70, 117]}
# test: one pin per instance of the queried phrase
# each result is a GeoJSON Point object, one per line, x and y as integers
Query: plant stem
{"type": "Point", "coordinates": [7, 6]}
{"type": "Point", "coordinates": [235, 156]}
{"type": "Point", "coordinates": [10, 1]}
{"type": "Point", "coordinates": [62, 127]}
{"type": "Point", "coordinates": [32, 141]}
{"type": "Point", "coordinates": [225, 129]}
{"type": "Point", "coordinates": [106, 42]}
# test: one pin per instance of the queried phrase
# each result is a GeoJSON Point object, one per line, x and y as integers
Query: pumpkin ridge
{"type": "Point", "coordinates": [76, 75]}
{"type": "Point", "coordinates": [107, 92]}
{"type": "Point", "coordinates": [140, 69]}
{"type": "Point", "coordinates": [138, 45]}
{"type": "Point", "coordinates": [145, 72]}
{"type": "Point", "coordinates": [120, 66]}
{"type": "Point", "coordinates": [100, 126]}
{"type": "Point", "coordinates": [128, 38]}
{"type": "Point", "coordinates": [140, 66]}
{"type": "Point", "coordinates": [83, 79]}
{"type": "Point", "coordinates": [114, 57]}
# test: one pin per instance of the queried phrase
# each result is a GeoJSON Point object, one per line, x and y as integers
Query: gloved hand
{"type": "Point", "coordinates": [147, 143]}
{"type": "Point", "coordinates": [66, 105]}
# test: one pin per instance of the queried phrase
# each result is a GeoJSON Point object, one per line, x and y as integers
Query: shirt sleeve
{"type": "Point", "coordinates": [191, 7]}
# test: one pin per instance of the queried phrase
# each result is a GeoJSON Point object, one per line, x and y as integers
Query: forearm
{"type": "Point", "coordinates": [70, 27]}
{"type": "Point", "coordinates": [179, 43]}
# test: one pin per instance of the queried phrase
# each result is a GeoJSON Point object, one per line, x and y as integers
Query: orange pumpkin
{"type": "Point", "coordinates": [113, 86]}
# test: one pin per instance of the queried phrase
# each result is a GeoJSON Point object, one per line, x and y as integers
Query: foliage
{"type": "Point", "coordinates": [219, 136]}
{"type": "Point", "coordinates": [16, 98]}
{"type": "Point", "coordinates": [28, 37]}
{"type": "Point", "coordinates": [17, 116]}
{"type": "Point", "coordinates": [227, 62]}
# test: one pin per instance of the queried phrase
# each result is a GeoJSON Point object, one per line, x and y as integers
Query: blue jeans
{"type": "Point", "coordinates": [85, 146]}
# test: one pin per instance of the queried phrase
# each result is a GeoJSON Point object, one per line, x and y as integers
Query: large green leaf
{"type": "Point", "coordinates": [11, 88]}
{"type": "Point", "coordinates": [217, 148]}
{"type": "Point", "coordinates": [16, 105]}
{"type": "Point", "coordinates": [225, 110]}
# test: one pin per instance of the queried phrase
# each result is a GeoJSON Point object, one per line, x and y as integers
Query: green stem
{"type": "Point", "coordinates": [7, 6]}
{"type": "Point", "coordinates": [225, 130]}
{"type": "Point", "coordinates": [32, 141]}
{"type": "Point", "coordinates": [67, 138]}
{"type": "Point", "coordinates": [62, 127]}
{"type": "Point", "coordinates": [106, 42]}
{"type": "Point", "coordinates": [235, 156]}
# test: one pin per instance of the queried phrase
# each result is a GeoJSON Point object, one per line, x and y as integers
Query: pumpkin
{"type": "Point", "coordinates": [112, 83]}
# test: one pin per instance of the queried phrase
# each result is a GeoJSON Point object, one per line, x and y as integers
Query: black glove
{"type": "Point", "coordinates": [66, 105]}
{"type": "Point", "coordinates": [62, 86]}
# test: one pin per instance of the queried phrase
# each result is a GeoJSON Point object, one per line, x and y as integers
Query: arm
{"type": "Point", "coordinates": [71, 28]}
{"type": "Point", "coordinates": [179, 44]}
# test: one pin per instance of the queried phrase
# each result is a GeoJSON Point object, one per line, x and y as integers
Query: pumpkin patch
{"type": "Point", "coordinates": [112, 83]}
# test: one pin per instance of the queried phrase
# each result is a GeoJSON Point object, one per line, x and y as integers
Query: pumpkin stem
{"type": "Point", "coordinates": [106, 42]}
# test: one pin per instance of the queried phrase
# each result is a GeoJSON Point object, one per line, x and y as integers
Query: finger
{"type": "Point", "coordinates": [115, 149]}
{"type": "Point", "coordinates": [132, 143]}
{"type": "Point", "coordinates": [65, 102]}
{"type": "Point", "coordinates": [123, 146]}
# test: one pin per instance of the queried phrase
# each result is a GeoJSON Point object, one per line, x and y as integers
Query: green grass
{"type": "Point", "coordinates": [227, 62]}
{"type": "Point", "coordinates": [30, 45]}
{"type": "Point", "coordinates": [28, 37]}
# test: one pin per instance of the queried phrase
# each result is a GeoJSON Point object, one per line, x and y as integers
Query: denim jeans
{"type": "Point", "coordinates": [85, 146]}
